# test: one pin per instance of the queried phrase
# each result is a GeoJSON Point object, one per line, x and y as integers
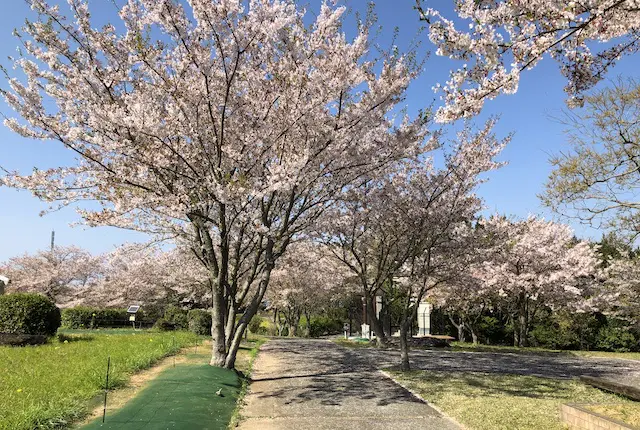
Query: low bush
{"type": "Point", "coordinates": [176, 316]}
{"type": "Point", "coordinates": [616, 339]}
{"type": "Point", "coordinates": [322, 326]}
{"type": "Point", "coordinates": [199, 321]}
{"type": "Point", "coordinates": [89, 317]}
{"type": "Point", "coordinates": [28, 314]}
{"type": "Point", "coordinates": [254, 324]}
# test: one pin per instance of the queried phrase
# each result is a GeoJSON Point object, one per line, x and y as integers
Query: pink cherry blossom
{"type": "Point", "coordinates": [505, 38]}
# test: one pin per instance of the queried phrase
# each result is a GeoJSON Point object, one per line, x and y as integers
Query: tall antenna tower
{"type": "Point", "coordinates": [53, 239]}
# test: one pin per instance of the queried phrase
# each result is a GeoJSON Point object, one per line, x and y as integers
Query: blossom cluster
{"type": "Point", "coordinates": [504, 38]}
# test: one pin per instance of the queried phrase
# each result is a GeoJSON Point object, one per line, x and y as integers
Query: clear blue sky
{"type": "Point", "coordinates": [512, 190]}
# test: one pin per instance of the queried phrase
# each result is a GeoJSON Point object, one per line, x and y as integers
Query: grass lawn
{"type": "Point", "coordinates": [51, 385]}
{"type": "Point", "coordinates": [628, 412]}
{"type": "Point", "coordinates": [605, 354]}
{"type": "Point", "coordinates": [491, 401]}
{"type": "Point", "coordinates": [355, 343]}
{"type": "Point", "coordinates": [469, 347]}
{"type": "Point", "coordinates": [247, 353]}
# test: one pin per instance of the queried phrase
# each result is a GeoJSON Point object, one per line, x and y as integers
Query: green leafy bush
{"type": "Point", "coordinates": [199, 321]}
{"type": "Point", "coordinates": [88, 317]}
{"type": "Point", "coordinates": [566, 330]}
{"type": "Point", "coordinates": [28, 314]}
{"type": "Point", "coordinates": [254, 324]}
{"type": "Point", "coordinates": [617, 339]}
{"type": "Point", "coordinates": [322, 326]}
{"type": "Point", "coordinates": [176, 316]}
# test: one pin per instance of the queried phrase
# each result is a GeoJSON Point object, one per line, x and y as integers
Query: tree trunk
{"type": "Point", "coordinates": [459, 327]}
{"type": "Point", "coordinates": [404, 348]}
{"type": "Point", "coordinates": [521, 334]}
{"type": "Point", "coordinates": [523, 340]}
{"type": "Point", "coordinates": [231, 325]}
{"type": "Point", "coordinates": [474, 336]}
{"type": "Point", "coordinates": [251, 310]}
{"type": "Point", "coordinates": [294, 322]}
{"type": "Point", "coordinates": [219, 346]}
{"type": "Point", "coordinates": [308, 325]}
{"type": "Point", "coordinates": [374, 322]}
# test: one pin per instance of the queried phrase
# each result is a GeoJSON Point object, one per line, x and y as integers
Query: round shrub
{"type": "Point", "coordinates": [176, 316]}
{"type": "Point", "coordinates": [322, 326]}
{"type": "Point", "coordinates": [254, 324]}
{"type": "Point", "coordinates": [24, 313]}
{"type": "Point", "coordinates": [199, 321]}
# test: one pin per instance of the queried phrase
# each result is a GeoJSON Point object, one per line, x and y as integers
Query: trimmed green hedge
{"type": "Point", "coordinates": [88, 317]}
{"type": "Point", "coordinates": [24, 313]}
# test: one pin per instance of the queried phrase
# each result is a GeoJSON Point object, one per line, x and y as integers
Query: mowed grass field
{"type": "Point", "coordinates": [482, 401]}
{"type": "Point", "coordinates": [49, 386]}
{"type": "Point", "coordinates": [469, 347]}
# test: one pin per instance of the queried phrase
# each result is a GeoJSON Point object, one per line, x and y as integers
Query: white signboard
{"type": "Point", "coordinates": [366, 331]}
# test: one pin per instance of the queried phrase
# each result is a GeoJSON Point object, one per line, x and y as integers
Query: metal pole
{"type": "Point", "coordinates": [106, 388]}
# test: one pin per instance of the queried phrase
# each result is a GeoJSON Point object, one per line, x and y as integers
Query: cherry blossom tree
{"type": "Point", "coordinates": [533, 264]}
{"type": "Point", "coordinates": [60, 273]}
{"type": "Point", "coordinates": [225, 125]}
{"type": "Point", "coordinates": [146, 275]}
{"type": "Point", "coordinates": [620, 292]}
{"type": "Point", "coordinates": [506, 37]}
{"type": "Point", "coordinates": [410, 230]}
{"type": "Point", "coordinates": [464, 299]}
{"type": "Point", "coordinates": [304, 280]}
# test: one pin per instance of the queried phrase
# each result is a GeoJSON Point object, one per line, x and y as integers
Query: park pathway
{"type": "Point", "coordinates": [316, 384]}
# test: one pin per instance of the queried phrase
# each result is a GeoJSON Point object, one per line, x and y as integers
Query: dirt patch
{"type": "Point", "coordinates": [119, 397]}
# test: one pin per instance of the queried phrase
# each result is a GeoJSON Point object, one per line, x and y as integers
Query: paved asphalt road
{"type": "Point", "coordinates": [316, 384]}
{"type": "Point", "coordinates": [548, 365]}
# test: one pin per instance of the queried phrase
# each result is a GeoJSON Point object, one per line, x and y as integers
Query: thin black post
{"type": "Point", "coordinates": [106, 388]}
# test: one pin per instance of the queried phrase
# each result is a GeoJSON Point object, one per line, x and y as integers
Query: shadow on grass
{"type": "Point", "coordinates": [488, 385]}
{"type": "Point", "coordinates": [74, 338]}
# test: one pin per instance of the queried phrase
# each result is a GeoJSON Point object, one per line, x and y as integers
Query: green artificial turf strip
{"type": "Point", "coordinates": [183, 397]}
{"type": "Point", "coordinates": [49, 386]}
